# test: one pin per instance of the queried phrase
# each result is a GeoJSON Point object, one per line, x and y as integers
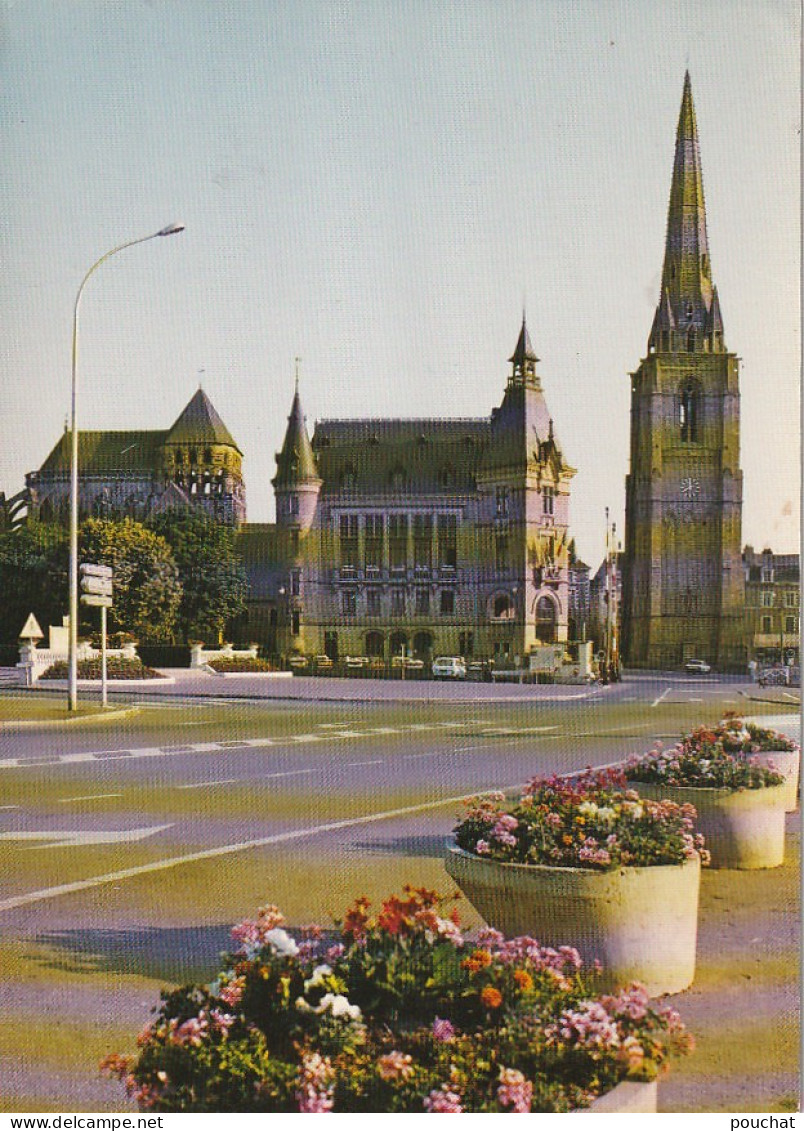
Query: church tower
{"type": "Point", "coordinates": [683, 593]}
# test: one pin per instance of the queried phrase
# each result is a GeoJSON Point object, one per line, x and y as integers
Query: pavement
{"type": "Point", "coordinates": [153, 839]}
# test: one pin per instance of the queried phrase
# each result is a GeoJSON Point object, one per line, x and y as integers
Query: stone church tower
{"type": "Point", "coordinates": [683, 590]}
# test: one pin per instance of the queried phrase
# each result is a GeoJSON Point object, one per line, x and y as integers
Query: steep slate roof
{"type": "Point", "coordinates": [687, 293]}
{"type": "Point", "coordinates": [199, 423]}
{"type": "Point", "coordinates": [107, 451]}
{"type": "Point", "coordinates": [431, 455]}
{"type": "Point", "coordinates": [296, 462]}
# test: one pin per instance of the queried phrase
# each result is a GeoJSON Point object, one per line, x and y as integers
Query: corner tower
{"type": "Point", "coordinates": [682, 580]}
{"type": "Point", "coordinates": [296, 483]}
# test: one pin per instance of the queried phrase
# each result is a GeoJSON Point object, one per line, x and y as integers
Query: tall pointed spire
{"type": "Point", "coordinates": [296, 462]}
{"type": "Point", "coordinates": [524, 358]}
{"type": "Point", "coordinates": [682, 319]}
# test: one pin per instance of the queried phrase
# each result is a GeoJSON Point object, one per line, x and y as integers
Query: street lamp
{"type": "Point", "coordinates": [72, 693]}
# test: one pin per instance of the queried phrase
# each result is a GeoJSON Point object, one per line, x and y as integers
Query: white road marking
{"type": "Point", "coordinates": [9, 807]}
{"type": "Point", "coordinates": [226, 850]}
{"type": "Point", "coordinates": [87, 797]}
{"type": "Point", "coordinates": [656, 702]}
{"type": "Point", "coordinates": [67, 838]}
{"type": "Point", "coordinates": [219, 747]}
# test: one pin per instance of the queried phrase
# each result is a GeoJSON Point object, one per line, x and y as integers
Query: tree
{"type": "Point", "coordinates": [33, 577]}
{"type": "Point", "coordinates": [147, 589]}
{"type": "Point", "coordinates": [212, 575]}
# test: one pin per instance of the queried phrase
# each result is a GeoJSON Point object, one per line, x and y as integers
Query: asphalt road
{"type": "Point", "coordinates": [127, 850]}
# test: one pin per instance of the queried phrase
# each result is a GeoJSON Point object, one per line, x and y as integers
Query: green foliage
{"type": "Point", "coordinates": [147, 590]}
{"type": "Point", "coordinates": [212, 576]}
{"type": "Point", "coordinates": [592, 821]}
{"type": "Point", "coordinates": [396, 1013]}
{"type": "Point", "coordinates": [116, 668]}
{"type": "Point", "coordinates": [242, 666]}
{"type": "Point", "coordinates": [33, 577]}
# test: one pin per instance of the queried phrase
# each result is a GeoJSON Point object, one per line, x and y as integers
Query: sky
{"type": "Point", "coordinates": [379, 187]}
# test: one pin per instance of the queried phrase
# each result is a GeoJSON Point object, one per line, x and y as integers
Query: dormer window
{"type": "Point", "coordinates": [207, 455]}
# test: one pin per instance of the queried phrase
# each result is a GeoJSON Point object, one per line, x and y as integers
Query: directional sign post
{"type": "Point", "coordinates": [96, 589]}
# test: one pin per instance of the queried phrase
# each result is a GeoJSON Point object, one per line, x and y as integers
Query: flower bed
{"type": "Point", "coordinates": [116, 668]}
{"type": "Point", "coordinates": [395, 1013]}
{"type": "Point", "coordinates": [592, 821]}
{"type": "Point", "coordinates": [701, 759]}
{"type": "Point", "coordinates": [244, 665]}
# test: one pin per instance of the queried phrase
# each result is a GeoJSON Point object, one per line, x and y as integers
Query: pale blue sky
{"type": "Point", "coordinates": [376, 186]}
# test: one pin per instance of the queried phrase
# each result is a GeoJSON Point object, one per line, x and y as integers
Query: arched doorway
{"type": "Point", "coordinates": [375, 644]}
{"type": "Point", "coordinates": [423, 646]}
{"type": "Point", "coordinates": [546, 619]}
{"type": "Point", "coordinates": [398, 641]}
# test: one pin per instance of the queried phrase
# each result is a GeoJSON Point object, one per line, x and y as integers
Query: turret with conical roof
{"type": "Point", "coordinates": [202, 459]}
{"type": "Point", "coordinates": [297, 482]}
{"type": "Point", "coordinates": [688, 314]}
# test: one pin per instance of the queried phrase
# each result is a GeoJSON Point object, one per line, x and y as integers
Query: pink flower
{"type": "Point", "coordinates": [395, 1066]}
{"type": "Point", "coordinates": [443, 1100]}
{"type": "Point", "coordinates": [514, 1090]}
{"type": "Point", "coordinates": [482, 848]}
{"type": "Point", "coordinates": [232, 992]}
{"type": "Point", "coordinates": [316, 1084]}
{"type": "Point", "coordinates": [443, 1030]}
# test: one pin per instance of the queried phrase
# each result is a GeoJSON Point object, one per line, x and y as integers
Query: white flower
{"type": "Point", "coordinates": [281, 942]}
{"type": "Point", "coordinates": [606, 814]}
{"type": "Point", "coordinates": [587, 808]}
{"type": "Point", "coordinates": [340, 1006]}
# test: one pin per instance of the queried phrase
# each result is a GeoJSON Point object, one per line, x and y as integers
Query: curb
{"type": "Point", "coordinates": [101, 717]}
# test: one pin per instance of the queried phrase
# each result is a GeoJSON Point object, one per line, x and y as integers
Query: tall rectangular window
{"type": "Point", "coordinates": [790, 624]}
{"type": "Point", "coordinates": [791, 599]}
{"type": "Point", "coordinates": [501, 552]}
{"type": "Point", "coordinates": [348, 528]}
{"type": "Point", "coordinates": [548, 500]}
{"type": "Point", "coordinates": [295, 582]}
{"type": "Point", "coordinates": [766, 599]}
{"type": "Point", "coordinates": [447, 541]}
{"type": "Point", "coordinates": [422, 541]}
{"type": "Point", "coordinates": [766, 625]}
{"type": "Point", "coordinates": [349, 602]}
{"type": "Point", "coordinates": [447, 602]}
{"type": "Point", "coordinates": [373, 603]}
{"type": "Point", "coordinates": [422, 602]}
{"type": "Point", "coordinates": [397, 602]}
{"type": "Point", "coordinates": [398, 541]}
{"type": "Point", "coordinates": [373, 526]}
{"type": "Point", "coordinates": [501, 497]}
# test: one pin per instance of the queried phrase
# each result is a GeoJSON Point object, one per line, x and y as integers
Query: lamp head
{"type": "Point", "coordinates": [171, 230]}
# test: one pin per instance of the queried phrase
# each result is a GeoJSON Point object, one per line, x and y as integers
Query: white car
{"type": "Point", "coordinates": [449, 667]}
{"type": "Point", "coordinates": [697, 666]}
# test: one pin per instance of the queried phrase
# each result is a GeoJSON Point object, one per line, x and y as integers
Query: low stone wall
{"type": "Point", "coordinates": [199, 655]}
{"type": "Point", "coordinates": [33, 661]}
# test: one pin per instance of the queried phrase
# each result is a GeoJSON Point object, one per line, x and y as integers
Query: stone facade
{"type": "Point", "coordinates": [132, 474]}
{"type": "Point", "coordinates": [683, 590]}
{"type": "Point", "coordinates": [419, 537]}
{"type": "Point", "coordinates": [772, 606]}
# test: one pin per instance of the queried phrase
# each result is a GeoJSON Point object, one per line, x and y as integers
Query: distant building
{"type": "Point", "coordinates": [772, 606]}
{"type": "Point", "coordinates": [579, 599]}
{"type": "Point", "coordinates": [418, 537]}
{"type": "Point", "coordinates": [607, 581]}
{"type": "Point", "coordinates": [135, 473]}
{"type": "Point", "coordinates": [683, 586]}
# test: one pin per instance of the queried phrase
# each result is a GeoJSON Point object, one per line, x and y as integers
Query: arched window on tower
{"type": "Point", "coordinates": [689, 412]}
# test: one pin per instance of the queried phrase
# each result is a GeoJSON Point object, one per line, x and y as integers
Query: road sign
{"type": "Point", "coordinates": [96, 600]}
{"type": "Point", "coordinates": [94, 584]}
{"type": "Point", "coordinates": [87, 569]}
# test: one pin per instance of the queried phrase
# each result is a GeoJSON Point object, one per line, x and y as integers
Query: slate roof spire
{"type": "Point", "coordinates": [296, 462]}
{"type": "Point", "coordinates": [199, 423]}
{"type": "Point", "coordinates": [523, 359]}
{"type": "Point", "coordinates": [683, 318]}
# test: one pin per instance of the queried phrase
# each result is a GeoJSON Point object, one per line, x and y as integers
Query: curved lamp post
{"type": "Point", "coordinates": [72, 694]}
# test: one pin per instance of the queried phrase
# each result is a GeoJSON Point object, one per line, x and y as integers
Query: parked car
{"type": "Point", "coordinates": [699, 666]}
{"type": "Point", "coordinates": [449, 667]}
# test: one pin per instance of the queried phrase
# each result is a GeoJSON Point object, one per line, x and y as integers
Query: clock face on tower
{"type": "Point", "coordinates": [690, 487]}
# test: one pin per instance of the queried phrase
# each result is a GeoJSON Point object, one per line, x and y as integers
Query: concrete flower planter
{"type": "Point", "coordinates": [629, 1097]}
{"type": "Point", "coordinates": [640, 923]}
{"type": "Point", "coordinates": [785, 762]}
{"type": "Point", "coordinates": [742, 828]}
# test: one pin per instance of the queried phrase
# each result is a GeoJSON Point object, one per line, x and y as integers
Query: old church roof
{"type": "Point", "coordinates": [199, 423]}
